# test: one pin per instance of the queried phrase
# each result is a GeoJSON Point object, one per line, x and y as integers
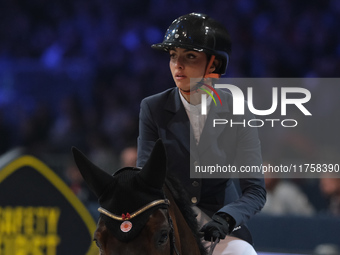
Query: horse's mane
{"type": "Point", "coordinates": [182, 200]}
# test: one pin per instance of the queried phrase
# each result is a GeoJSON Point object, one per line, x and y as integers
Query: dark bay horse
{"type": "Point", "coordinates": [141, 211]}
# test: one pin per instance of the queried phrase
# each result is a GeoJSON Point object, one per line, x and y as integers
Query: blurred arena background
{"type": "Point", "coordinates": [73, 73]}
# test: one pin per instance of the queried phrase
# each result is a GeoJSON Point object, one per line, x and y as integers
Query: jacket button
{"type": "Point", "coordinates": [194, 200]}
{"type": "Point", "coordinates": [195, 184]}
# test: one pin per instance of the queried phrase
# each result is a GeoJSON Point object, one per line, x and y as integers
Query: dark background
{"type": "Point", "coordinates": [73, 73]}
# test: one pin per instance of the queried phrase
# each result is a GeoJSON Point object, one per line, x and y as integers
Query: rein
{"type": "Point", "coordinates": [173, 247]}
{"type": "Point", "coordinates": [213, 245]}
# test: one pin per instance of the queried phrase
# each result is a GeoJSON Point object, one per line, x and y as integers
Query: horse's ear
{"type": "Point", "coordinates": [95, 178]}
{"type": "Point", "coordinates": [154, 170]}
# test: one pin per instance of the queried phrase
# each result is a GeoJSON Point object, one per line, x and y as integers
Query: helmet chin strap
{"type": "Point", "coordinates": [206, 75]}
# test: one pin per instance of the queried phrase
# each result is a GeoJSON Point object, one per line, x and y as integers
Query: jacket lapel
{"type": "Point", "coordinates": [180, 126]}
{"type": "Point", "coordinates": [210, 134]}
{"type": "Point", "coordinates": [179, 123]}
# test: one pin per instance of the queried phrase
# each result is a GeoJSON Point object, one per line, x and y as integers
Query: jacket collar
{"type": "Point", "coordinates": [179, 123]}
{"type": "Point", "coordinates": [174, 104]}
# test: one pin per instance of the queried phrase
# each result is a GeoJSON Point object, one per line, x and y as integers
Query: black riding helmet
{"type": "Point", "coordinates": [199, 32]}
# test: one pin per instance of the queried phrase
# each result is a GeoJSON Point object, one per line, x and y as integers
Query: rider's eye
{"type": "Point", "coordinates": [172, 54]}
{"type": "Point", "coordinates": [191, 56]}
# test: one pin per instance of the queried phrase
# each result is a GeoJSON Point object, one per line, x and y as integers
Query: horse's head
{"type": "Point", "coordinates": [133, 218]}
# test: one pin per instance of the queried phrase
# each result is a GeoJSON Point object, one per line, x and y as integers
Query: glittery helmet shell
{"type": "Point", "coordinates": [199, 32]}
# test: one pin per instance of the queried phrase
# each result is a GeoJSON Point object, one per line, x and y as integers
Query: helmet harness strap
{"type": "Point", "coordinates": [206, 75]}
{"type": "Point", "coordinates": [211, 75]}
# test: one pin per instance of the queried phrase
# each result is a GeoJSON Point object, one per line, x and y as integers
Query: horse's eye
{"type": "Point", "coordinates": [163, 237]}
{"type": "Point", "coordinates": [95, 240]}
{"type": "Point", "coordinates": [98, 245]}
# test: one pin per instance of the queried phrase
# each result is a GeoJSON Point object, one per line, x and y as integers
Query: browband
{"type": "Point", "coordinates": [139, 211]}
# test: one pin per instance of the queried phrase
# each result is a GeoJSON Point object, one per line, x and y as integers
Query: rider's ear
{"type": "Point", "coordinates": [214, 65]}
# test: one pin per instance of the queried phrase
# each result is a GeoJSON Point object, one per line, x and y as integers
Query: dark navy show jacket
{"type": "Point", "coordinates": [164, 116]}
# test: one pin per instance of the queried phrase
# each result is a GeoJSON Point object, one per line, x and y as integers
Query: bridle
{"type": "Point", "coordinates": [134, 214]}
{"type": "Point", "coordinates": [173, 248]}
{"type": "Point", "coordinates": [124, 217]}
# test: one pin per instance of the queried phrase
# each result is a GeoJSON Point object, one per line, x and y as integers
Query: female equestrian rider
{"type": "Point", "coordinates": [199, 47]}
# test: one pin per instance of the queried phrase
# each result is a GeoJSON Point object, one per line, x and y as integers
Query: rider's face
{"type": "Point", "coordinates": [186, 64]}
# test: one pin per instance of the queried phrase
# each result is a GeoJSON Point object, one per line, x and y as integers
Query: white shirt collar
{"type": "Point", "coordinates": [193, 108]}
